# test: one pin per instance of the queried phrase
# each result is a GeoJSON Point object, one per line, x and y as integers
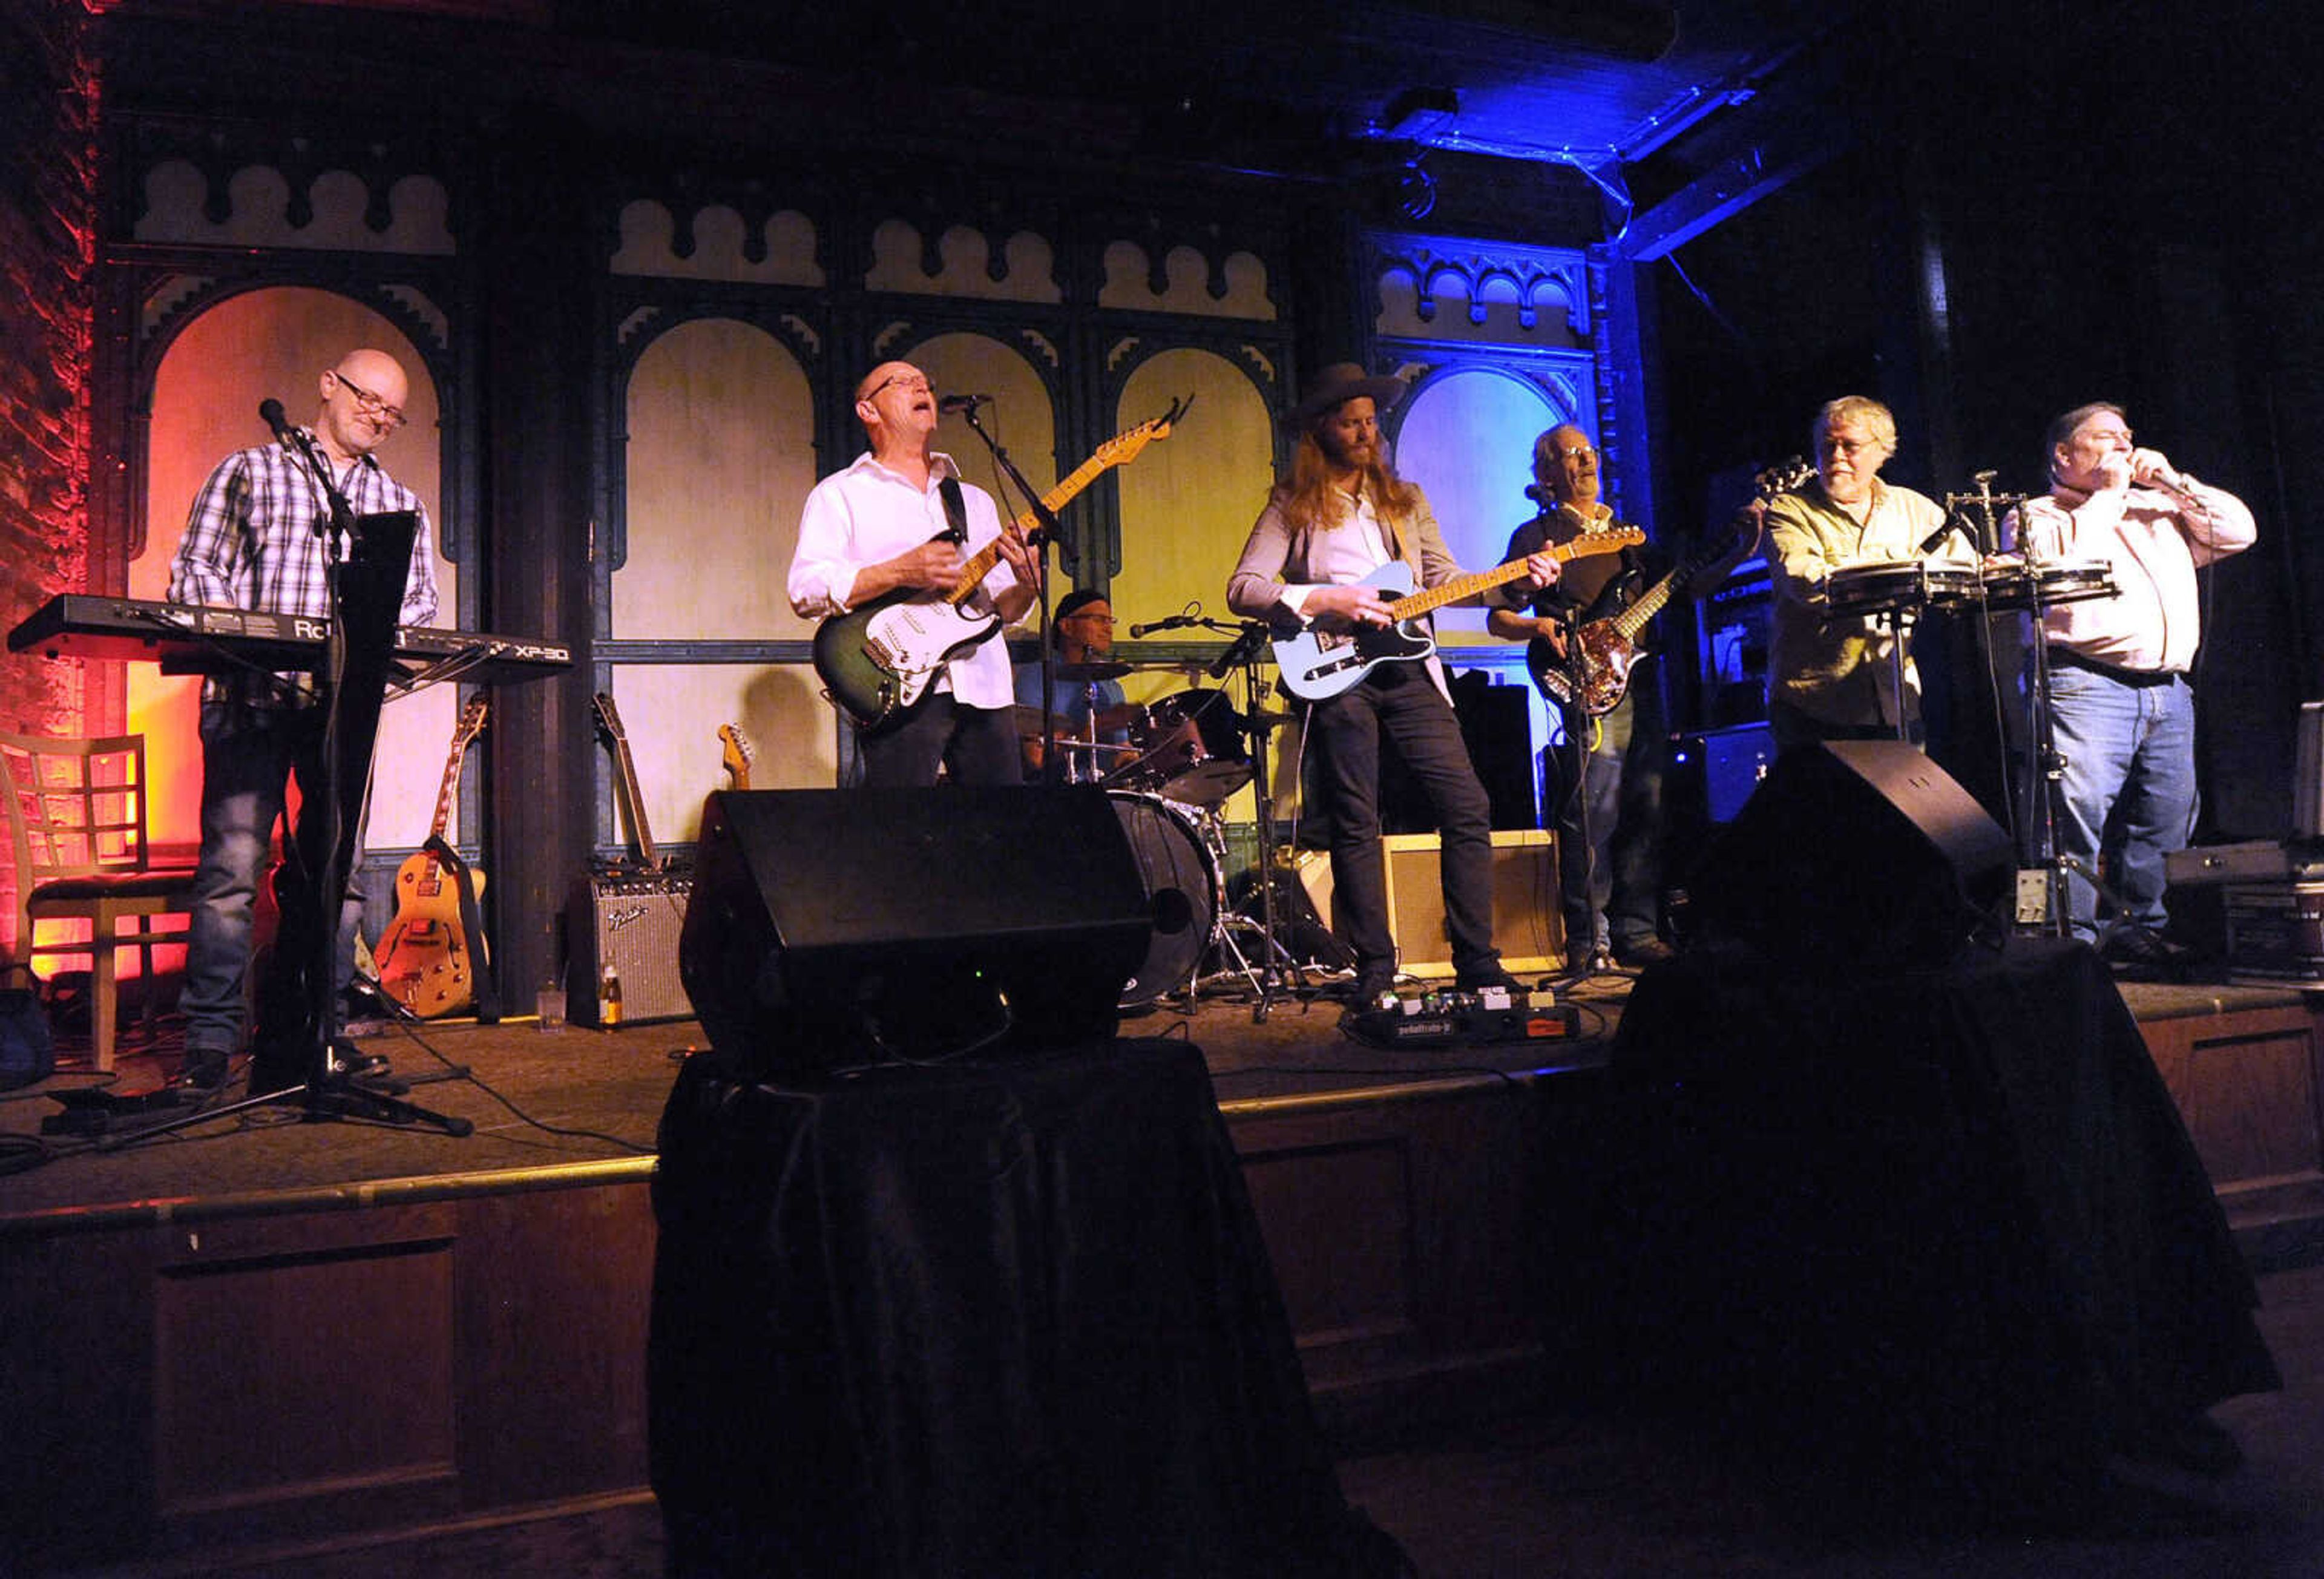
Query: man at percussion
{"type": "Point", "coordinates": [1835, 676]}
{"type": "Point", "coordinates": [900, 517]}
{"type": "Point", "coordinates": [1605, 779]}
{"type": "Point", "coordinates": [1341, 515]}
{"type": "Point", "coordinates": [2121, 709]}
{"type": "Point", "coordinates": [1082, 690]}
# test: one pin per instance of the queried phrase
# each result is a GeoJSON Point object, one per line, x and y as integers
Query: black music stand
{"type": "Point", "coordinates": [296, 1055]}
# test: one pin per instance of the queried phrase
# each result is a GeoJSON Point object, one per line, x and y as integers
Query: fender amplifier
{"type": "Point", "coordinates": [631, 919]}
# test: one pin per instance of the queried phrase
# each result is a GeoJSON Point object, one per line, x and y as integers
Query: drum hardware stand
{"type": "Point", "coordinates": [1274, 978]}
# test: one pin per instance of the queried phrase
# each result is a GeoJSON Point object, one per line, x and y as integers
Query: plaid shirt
{"type": "Point", "coordinates": [252, 543]}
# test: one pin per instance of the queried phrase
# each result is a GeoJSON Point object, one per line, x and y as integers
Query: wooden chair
{"type": "Point", "coordinates": [77, 815]}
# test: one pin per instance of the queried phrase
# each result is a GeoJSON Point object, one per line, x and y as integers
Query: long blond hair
{"type": "Point", "coordinates": [1310, 498]}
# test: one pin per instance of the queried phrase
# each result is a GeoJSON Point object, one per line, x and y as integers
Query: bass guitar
{"type": "Point", "coordinates": [878, 662]}
{"type": "Point", "coordinates": [423, 956]}
{"type": "Point", "coordinates": [1595, 675]}
{"type": "Point", "coordinates": [736, 754]}
{"type": "Point", "coordinates": [1317, 665]}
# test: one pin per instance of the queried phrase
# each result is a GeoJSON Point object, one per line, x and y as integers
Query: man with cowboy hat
{"type": "Point", "coordinates": [1341, 514]}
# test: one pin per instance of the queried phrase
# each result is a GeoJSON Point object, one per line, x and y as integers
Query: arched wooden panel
{"type": "Point", "coordinates": [1467, 437]}
{"type": "Point", "coordinates": [277, 342]}
{"type": "Point", "coordinates": [1187, 502]}
{"type": "Point", "coordinates": [721, 457]}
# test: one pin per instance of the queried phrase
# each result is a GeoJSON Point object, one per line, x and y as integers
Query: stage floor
{"type": "Point", "coordinates": [584, 1099]}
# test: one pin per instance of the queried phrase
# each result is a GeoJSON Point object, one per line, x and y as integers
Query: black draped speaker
{"type": "Point", "coordinates": [1854, 854]}
{"type": "Point", "coordinates": [832, 927]}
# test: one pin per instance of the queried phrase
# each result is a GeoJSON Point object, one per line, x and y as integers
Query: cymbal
{"type": "Point", "coordinates": [1090, 673]}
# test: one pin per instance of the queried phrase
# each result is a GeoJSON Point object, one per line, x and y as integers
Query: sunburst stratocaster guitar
{"type": "Point", "coordinates": [878, 662]}
{"type": "Point", "coordinates": [1317, 665]}
{"type": "Point", "coordinates": [423, 956]}
{"type": "Point", "coordinates": [1597, 675]}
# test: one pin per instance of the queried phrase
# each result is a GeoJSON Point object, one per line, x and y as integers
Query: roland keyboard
{"type": "Point", "coordinates": [190, 640]}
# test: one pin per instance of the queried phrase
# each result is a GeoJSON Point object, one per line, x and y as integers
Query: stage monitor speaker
{"type": "Point", "coordinates": [835, 928]}
{"type": "Point", "coordinates": [1854, 854]}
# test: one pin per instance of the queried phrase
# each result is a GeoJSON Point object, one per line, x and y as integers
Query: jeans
{"type": "Point", "coordinates": [977, 745]}
{"type": "Point", "coordinates": [2128, 790]}
{"type": "Point", "coordinates": [249, 755]}
{"type": "Point", "coordinates": [1398, 700]}
{"type": "Point", "coordinates": [1608, 858]}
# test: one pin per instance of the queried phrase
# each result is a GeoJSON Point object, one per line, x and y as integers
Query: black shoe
{"type": "Point", "coordinates": [2140, 954]}
{"type": "Point", "coordinates": [1645, 951]}
{"type": "Point", "coordinates": [205, 1067]}
{"type": "Point", "coordinates": [1487, 976]}
{"type": "Point", "coordinates": [1373, 983]}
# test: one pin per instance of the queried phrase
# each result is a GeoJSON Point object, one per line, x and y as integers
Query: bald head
{"type": "Point", "coordinates": [363, 397]}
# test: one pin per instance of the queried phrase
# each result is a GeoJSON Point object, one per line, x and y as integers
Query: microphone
{"type": "Point", "coordinates": [269, 411]}
{"type": "Point", "coordinates": [1242, 649]}
{"type": "Point", "coordinates": [1175, 622]}
{"type": "Point", "coordinates": [963, 403]}
{"type": "Point", "coordinates": [1929, 543]}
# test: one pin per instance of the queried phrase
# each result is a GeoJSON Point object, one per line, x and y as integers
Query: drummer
{"type": "Point", "coordinates": [1084, 684]}
{"type": "Point", "coordinates": [1836, 678]}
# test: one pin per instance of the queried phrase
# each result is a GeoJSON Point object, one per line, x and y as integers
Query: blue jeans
{"type": "Point", "coordinates": [2128, 793]}
{"type": "Point", "coordinates": [1609, 883]}
{"type": "Point", "coordinates": [249, 755]}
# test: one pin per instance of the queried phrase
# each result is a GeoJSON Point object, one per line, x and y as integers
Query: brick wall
{"type": "Point", "coordinates": [48, 176]}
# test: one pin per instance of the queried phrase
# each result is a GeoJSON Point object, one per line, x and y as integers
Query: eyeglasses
{"type": "Point", "coordinates": [1083, 615]}
{"type": "Point", "coordinates": [1575, 452]}
{"type": "Point", "coordinates": [368, 402]}
{"type": "Point", "coordinates": [909, 381]}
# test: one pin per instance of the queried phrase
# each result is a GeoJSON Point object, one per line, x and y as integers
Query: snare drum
{"type": "Point", "coordinates": [1895, 587]}
{"type": "Point", "coordinates": [1190, 750]}
{"type": "Point", "coordinates": [2013, 586]}
{"type": "Point", "coordinates": [1181, 887]}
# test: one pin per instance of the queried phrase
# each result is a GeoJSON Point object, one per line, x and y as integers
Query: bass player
{"type": "Point", "coordinates": [1604, 789]}
{"type": "Point", "coordinates": [900, 517]}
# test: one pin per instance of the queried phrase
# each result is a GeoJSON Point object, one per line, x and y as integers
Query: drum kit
{"type": "Point", "coordinates": [1170, 774]}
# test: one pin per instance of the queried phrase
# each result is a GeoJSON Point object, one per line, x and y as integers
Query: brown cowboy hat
{"type": "Point", "coordinates": [1339, 383]}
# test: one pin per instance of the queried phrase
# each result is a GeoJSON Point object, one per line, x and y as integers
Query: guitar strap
{"type": "Point", "coordinates": [956, 507]}
{"type": "Point", "coordinates": [482, 985]}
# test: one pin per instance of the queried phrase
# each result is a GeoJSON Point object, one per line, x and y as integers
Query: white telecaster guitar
{"type": "Point", "coordinates": [1317, 665]}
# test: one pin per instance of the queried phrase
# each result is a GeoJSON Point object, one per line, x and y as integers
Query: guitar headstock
{"type": "Point", "coordinates": [1785, 476]}
{"type": "Point", "coordinates": [1125, 447]}
{"type": "Point", "coordinates": [609, 719]}
{"type": "Point", "coordinates": [738, 754]}
{"type": "Point", "coordinates": [1611, 539]}
{"type": "Point", "coordinates": [471, 724]}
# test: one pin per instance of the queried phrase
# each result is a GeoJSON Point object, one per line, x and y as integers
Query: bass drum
{"type": "Point", "coordinates": [1182, 889]}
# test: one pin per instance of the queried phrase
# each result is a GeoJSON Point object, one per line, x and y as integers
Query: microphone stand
{"type": "Point", "coordinates": [1052, 766]}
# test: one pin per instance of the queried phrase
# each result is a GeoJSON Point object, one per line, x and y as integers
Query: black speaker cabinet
{"type": "Point", "coordinates": [1854, 854]}
{"type": "Point", "coordinates": [845, 926]}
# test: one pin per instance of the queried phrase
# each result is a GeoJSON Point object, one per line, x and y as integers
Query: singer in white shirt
{"type": "Point", "coordinates": [881, 525]}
